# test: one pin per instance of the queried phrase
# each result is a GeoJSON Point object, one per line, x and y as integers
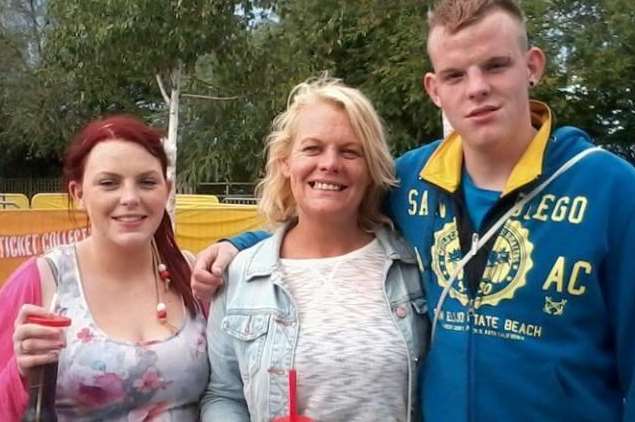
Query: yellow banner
{"type": "Point", "coordinates": [58, 201]}
{"type": "Point", "coordinates": [27, 233]}
{"type": "Point", "coordinates": [196, 228]}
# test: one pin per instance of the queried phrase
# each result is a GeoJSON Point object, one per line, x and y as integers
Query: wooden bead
{"type": "Point", "coordinates": [162, 312]}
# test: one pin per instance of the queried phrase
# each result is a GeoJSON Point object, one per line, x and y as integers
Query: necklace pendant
{"type": "Point", "coordinates": [162, 312]}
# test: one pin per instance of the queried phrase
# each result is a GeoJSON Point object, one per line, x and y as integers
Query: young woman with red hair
{"type": "Point", "coordinates": [136, 347]}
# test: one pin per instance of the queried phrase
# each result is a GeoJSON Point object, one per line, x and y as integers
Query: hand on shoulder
{"type": "Point", "coordinates": [210, 265]}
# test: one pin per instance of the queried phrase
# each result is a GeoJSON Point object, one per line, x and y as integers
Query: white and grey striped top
{"type": "Point", "coordinates": [350, 358]}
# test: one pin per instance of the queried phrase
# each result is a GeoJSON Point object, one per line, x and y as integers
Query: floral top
{"type": "Point", "coordinates": [104, 379]}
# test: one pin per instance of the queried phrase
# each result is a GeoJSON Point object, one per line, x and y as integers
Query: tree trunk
{"type": "Point", "coordinates": [170, 142]}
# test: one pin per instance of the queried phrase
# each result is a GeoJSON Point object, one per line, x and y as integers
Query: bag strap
{"type": "Point", "coordinates": [478, 243]}
{"type": "Point", "coordinates": [53, 268]}
{"type": "Point", "coordinates": [55, 273]}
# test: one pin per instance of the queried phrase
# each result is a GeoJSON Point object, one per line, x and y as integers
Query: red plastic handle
{"type": "Point", "coordinates": [49, 321]}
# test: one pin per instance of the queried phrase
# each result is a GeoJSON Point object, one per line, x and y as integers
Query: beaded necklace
{"type": "Point", "coordinates": [160, 273]}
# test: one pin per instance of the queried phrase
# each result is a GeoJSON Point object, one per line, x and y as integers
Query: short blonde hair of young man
{"type": "Point", "coordinates": [455, 15]}
{"type": "Point", "coordinates": [277, 204]}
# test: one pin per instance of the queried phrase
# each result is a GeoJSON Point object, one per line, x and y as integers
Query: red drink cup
{"type": "Point", "coordinates": [42, 389]}
{"type": "Point", "coordinates": [293, 404]}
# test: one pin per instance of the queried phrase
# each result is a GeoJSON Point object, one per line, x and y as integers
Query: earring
{"type": "Point", "coordinates": [532, 83]}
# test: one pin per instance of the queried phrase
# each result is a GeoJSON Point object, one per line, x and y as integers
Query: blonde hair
{"type": "Point", "coordinates": [276, 200]}
{"type": "Point", "coordinates": [455, 15]}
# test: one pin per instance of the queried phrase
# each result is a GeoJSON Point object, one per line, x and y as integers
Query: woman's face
{"type": "Point", "coordinates": [123, 192]}
{"type": "Point", "coordinates": [326, 167]}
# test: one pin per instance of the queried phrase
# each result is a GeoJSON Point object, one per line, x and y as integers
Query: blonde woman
{"type": "Point", "coordinates": [334, 293]}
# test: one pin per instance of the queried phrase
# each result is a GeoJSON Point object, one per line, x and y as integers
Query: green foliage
{"type": "Point", "coordinates": [25, 100]}
{"type": "Point", "coordinates": [592, 64]}
{"type": "Point", "coordinates": [370, 44]}
{"type": "Point", "coordinates": [604, 62]}
{"type": "Point", "coordinates": [100, 57]}
{"type": "Point", "coordinates": [82, 58]}
{"type": "Point", "coordinates": [138, 37]}
{"type": "Point", "coordinates": [380, 47]}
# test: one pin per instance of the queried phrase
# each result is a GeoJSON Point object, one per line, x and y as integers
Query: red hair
{"type": "Point", "coordinates": [130, 129]}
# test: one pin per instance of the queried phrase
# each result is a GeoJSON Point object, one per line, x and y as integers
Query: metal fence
{"type": "Point", "coordinates": [227, 189]}
{"type": "Point", "coordinates": [29, 186]}
{"type": "Point", "coordinates": [246, 200]}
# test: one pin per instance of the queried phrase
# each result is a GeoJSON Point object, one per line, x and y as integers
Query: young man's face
{"type": "Point", "coordinates": [481, 80]}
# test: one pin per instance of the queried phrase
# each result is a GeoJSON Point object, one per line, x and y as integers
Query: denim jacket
{"type": "Point", "coordinates": [253, 330]}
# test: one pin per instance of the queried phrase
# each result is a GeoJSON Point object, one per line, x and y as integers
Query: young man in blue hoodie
{"type": "Point", "coordinates": [524, 233]}
{"type": "Point", "coordinates": [538, 323]}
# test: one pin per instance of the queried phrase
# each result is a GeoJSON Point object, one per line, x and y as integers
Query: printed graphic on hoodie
{"type": "Point", "coordinates": [507, 265]}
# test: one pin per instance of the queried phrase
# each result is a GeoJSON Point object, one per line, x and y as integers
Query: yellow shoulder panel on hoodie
{"type": "Point", "coordinates": [444, 166]}
{"type": "Point", "coordinates": [529, 167]}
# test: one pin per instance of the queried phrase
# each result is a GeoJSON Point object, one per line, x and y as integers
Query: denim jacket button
{"type": "Point", "coordinates": [401, 311]}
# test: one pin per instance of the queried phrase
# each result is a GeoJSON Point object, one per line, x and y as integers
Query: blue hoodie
{"type": "Point", "coordinates": [539, 326]}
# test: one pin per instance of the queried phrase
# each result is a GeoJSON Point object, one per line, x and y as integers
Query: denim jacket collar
{"type": "Point", "coordinates": [269, 256]}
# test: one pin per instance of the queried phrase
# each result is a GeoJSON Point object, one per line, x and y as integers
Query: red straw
{"type": "Point", "coordinates": [293, 403]}
{"type": "Point", "coordinates": [293, 408]}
